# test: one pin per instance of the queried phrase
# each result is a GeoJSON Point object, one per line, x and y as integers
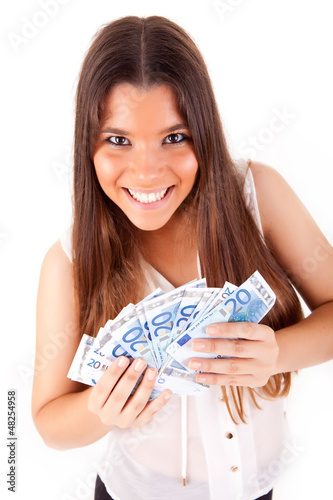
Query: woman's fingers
{"type": "Point", "coordinates": [250, 341]}
{"type": "Point", "coordinates": [242, 330]}
{"type": "Point", "coordinates": [137, 402]}
{"type": "Point", "coordinates": [137, 411]}
{"type": "Point", "coordinates": [231, 366]}
{"type": "Point", "coordinates": [152, 408]}
{"type": "Point", "coordinates": [234, 371]}
{"type": "Point", "coordinates": [122, 391]}
{"type": "Point", "coordinates": [246, 355]}
{"type": "Point", "coordinates": [111, 398]}
{"type": "Point", "coordinates": [226, 347]}
{"type": "Point", "coordinates": [235, 380]}
{"type": "Point", "coordinates": [106, 383]}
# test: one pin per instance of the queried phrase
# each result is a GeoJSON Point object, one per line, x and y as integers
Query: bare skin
{"type": "Point", "coordinates": [295, 238]}
{"type": "Point", "coordinates": [66, 413]}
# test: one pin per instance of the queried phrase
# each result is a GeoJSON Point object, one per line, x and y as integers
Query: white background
{"type": "Point", "coordinates": [263, 56]}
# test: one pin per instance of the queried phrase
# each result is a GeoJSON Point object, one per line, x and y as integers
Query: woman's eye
{"type": "Point", "coordinates": [118, 140]}
{"type": "Point", "coordinates": [176, 138]}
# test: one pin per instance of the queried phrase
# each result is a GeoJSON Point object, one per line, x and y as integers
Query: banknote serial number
{"type": "Point", "coordinates": [11, 439]}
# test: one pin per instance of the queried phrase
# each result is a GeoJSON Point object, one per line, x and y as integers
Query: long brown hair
{"type": "Point", "coordinates": [107, 273]}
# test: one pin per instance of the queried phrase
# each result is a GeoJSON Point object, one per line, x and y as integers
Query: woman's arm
{"type": "Point", "coordinates": [59, 405]}
{"type": "Point", "coordinates": [307, 257]}
{"type": "Point", "coordinates": [67, 414]}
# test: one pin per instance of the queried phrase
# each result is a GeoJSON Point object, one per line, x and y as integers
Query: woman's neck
{"type": "Point", "coordinates": [172, 250]}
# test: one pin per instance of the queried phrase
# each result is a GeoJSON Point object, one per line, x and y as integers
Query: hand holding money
{"type": "Point", "coordinates": [243, 354]}
{"type": "Point", "coordinates": [158, 335]}
{"type": "Point", "coordinates": [111, 397]}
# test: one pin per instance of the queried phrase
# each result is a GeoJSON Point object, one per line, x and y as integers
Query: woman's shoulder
{"type": "Point", "coordinates": [56, 255]}
{"type": "Point", "coordinates": [66, 242]}
{"type": "Point", "coordinates": [263, 172]}
{"type": "Point", "coordinates": [57, 269]}
{"type": "Point", "coordinates": [258, 170]}
{"type": "Point", "coordinates": [56, 298]}
{"type": "Point", "coordinates": [260, 173]}
{"type": "Point", "coordinates": [294, 236]}
{"type": "Point", "coordinates": [58, 259]}
{"type": "Point", "coordinates": [272, 191]}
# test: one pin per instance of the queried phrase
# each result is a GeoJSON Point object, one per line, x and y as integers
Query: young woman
{"type": "Point", "coordinates": [158, 201]}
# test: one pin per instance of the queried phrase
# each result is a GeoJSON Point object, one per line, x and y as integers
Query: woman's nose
{"type": "Point", "coordinates": [146, 163]}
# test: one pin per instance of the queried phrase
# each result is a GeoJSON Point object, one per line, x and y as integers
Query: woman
{"type": "Point", "coordinates": [155, 193]}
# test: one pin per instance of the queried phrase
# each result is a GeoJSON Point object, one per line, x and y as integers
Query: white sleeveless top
{"type": "Point", "coordinates": [224, 461]}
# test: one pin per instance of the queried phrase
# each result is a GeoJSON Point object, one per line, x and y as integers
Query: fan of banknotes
{"type": "Point", "coordinates": [161, 327]}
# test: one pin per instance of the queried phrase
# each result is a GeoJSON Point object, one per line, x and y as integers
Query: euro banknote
{"type": "Point", "coordinates": [126, 335]}
{"type": "Point", "coordinates": [161, 327]}
{"type": "Point", "coordinates": [249, 302]}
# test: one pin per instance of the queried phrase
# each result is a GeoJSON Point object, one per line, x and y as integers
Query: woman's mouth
{"type": "Point", "coordinates": [148, 197]}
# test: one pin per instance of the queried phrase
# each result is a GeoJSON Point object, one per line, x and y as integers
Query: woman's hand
{"type": "Point", "coordinates": [111, 398]}
{"type": "Point", "coordinates": [253, 352]}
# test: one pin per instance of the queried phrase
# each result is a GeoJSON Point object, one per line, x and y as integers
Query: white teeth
{"type": "Point", "coordinates": [147, 198]}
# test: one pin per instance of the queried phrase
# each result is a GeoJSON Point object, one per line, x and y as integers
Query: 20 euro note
{"type": "Point", "coordinates": [249, 302]}
{"type": "Point", "coordinates": [95, 355]}
{"type": "Point", "coordinates": [87, 367]}
{"type": "Point", "coordinates": [195, 302]}
{"type": "Point", "coordinates": [189, 308]}
{"type": "Point", "coordinates": [179, 380]}
{"type": "Point", "coordinates": [129, 333]}
{"type": "Point", "coordinates": [90, 363]}
{"type": "Point", "coordinates": [126, 335]}
{"type": "Point", "coordinates": [160, 314]}
{"type": "Point", "coordinates": [222, 293]}
{"type": "Point", "coordinates": [131, 329]}
{"type": "Point", "coordinates": [106, 350]}
{"type": "Point", "coordinates": [207, 304]}
{"type": "Point", "coordinates": [91, 360]}
{"type": "Point", "coordinates": [105, 332]}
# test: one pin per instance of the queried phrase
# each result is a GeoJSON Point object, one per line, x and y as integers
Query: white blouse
{"type": "Point", "coordinates": [225, 461]}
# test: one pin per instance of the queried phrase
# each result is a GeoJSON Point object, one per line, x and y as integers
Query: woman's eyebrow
{"type": "Point", "coordinates": [174, 127]}
{"type": "Point", "coordinates": [118, 131]}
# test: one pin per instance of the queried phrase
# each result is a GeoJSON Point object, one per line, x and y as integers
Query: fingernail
{"type": "Point", "coordinates": [167, 396]}
{"type": "Point", "coordinates": [212, 330]}
{"type": "Point", "coordinates": [122, 361]}
{"type": "Point", "coordinates": [201, 379]}
{"type": "Point", "coordinates": [194, 365]}
{"type": "Point", "coordinates": [151, 373]}
{"type": "Point", "coordinates": [198, 346]}
{"type": "Point", "coordinates": [139, 365]}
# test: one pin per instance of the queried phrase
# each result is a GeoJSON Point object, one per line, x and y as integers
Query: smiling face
{"type": "Point", "coordinates": [144, 157]}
